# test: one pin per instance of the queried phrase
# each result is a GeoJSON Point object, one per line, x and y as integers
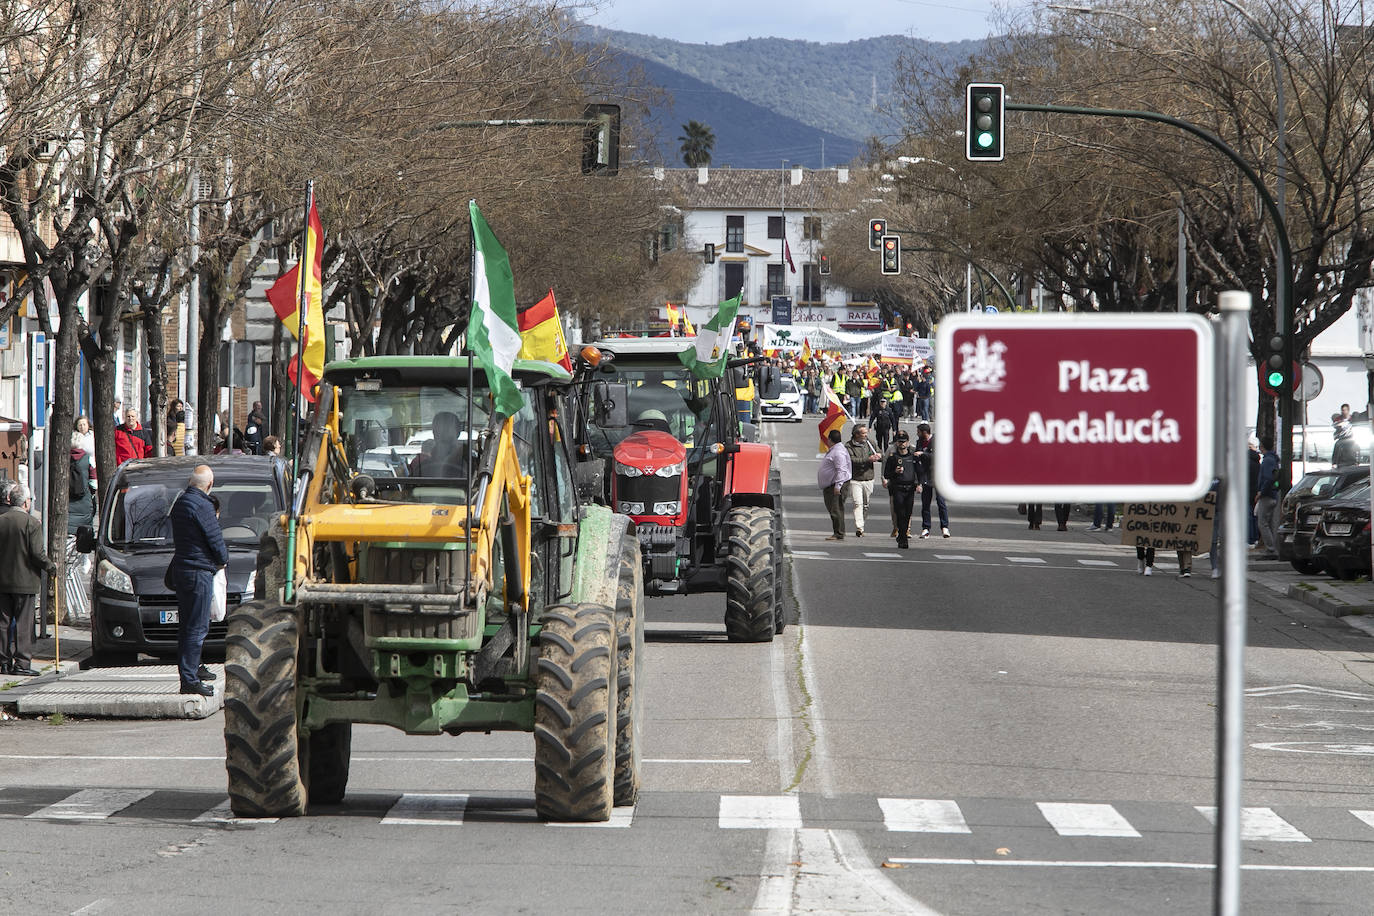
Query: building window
{"type": "Point", "coordinates": [811, 284]}
{"type": "Point", "coordinates": [811, 227]}
{"type": "Point", "coordinates": [734, 280]}
{"type": "Point", "coordinates": [775, 227]}
{"type": "Point", "coordinates": [734, 233]}
{"type": "Point", "coordinates": [777, 284]}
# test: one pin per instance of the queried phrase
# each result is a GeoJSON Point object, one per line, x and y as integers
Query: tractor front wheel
{"type": "Point", "coordinates": [751, 601]}
{"type": "Point", "coordinates": [575, 713]}
{"type": "Point", "coordinates": [262, 749]}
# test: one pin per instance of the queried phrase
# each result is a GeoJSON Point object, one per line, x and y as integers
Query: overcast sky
{"type": "Point", "coordinates": [720, 21]}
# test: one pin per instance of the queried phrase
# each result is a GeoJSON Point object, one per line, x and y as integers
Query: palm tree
{"type": "Point", "coordinates": [697, 141]}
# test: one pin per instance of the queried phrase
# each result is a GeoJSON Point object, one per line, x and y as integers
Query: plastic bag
{"type": "Point", "coordinates": [219, 599]}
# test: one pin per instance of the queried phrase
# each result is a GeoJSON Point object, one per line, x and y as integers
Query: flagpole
{"type": "Point", "coordinates": [302, 299]}
{"type": "Point", "coordinates": [472, 300]}
{"type": "Point", "coordinates": [782, 249]}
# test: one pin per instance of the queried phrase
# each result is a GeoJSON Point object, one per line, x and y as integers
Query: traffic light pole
{"type": "Point", "coordinates": [1284, 286]}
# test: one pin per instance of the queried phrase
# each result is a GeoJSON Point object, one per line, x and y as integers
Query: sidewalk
{"type": "Point", "coordinates": [148, 691]}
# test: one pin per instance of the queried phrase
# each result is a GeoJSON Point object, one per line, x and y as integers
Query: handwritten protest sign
{"type": "Point", "coordinates": [1170, 526]}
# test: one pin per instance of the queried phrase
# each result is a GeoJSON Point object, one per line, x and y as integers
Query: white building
{"type": "Point", "coordinates": [745, 214]}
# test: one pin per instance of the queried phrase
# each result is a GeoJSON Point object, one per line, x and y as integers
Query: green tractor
{"type": "Point", "coordinates": [438, 574]}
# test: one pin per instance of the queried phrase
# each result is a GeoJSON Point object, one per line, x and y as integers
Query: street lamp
{"type": "Point", "coordinates": [1093, 11]}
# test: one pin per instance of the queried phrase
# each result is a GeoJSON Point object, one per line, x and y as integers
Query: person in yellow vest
{"type": "Point", "coordinates": [746, 400]}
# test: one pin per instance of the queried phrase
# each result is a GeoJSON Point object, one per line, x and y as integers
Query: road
{"type": "Point", "coordinates": [1006, 721]}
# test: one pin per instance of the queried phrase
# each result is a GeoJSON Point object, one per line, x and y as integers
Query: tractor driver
{"type": "Point", "coordinates": [447, 458]}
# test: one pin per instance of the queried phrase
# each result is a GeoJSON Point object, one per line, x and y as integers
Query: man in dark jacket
{"type": "Point", "coordinates": [80, 498]}
{"type": "Point", "coordinates": [902, 476]}
{"type": "Point", "coordinates": [925, 451]}
{"type": "Point", "coordinates": [200, 553]}
{"type": "Point", "coordinates": [22, 562]}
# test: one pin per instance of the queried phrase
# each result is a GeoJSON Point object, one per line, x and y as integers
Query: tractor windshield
{"type": "Point", "coordinates": [408, 431]}
{"type": "Point", "coordinates": [660, 398]}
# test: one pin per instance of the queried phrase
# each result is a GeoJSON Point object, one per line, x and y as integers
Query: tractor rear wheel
{"type": "Point", "coordinates": [750, 587]}
{"type": "Point", "coordinates": [575, 714]}
{"type": "Point", "coordinates": [629, 631]}
{"type": "Point", "coordinates": [262, 750]}
{"type": "Point", "coordinates": [327, 755]}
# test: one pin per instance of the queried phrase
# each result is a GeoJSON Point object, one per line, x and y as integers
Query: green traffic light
{"type": "Point", "coordinates": [985, 140]}
{"type": "Point", "coordinates": [1275, 379]}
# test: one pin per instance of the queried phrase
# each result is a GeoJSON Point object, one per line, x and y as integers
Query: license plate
{"type": "Point", "coordinates": [166, 616]}
{"type": "Point", "coordinates": [1338, 530]}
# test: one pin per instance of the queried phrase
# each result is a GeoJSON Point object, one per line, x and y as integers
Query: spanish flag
{"type": "Point", "coordinates": [835, 417]}
{"type": "Point", "coordinates": [806, 351]}
{"type": "Point", "coordinates": [285, 296]}
{"type": "Point", "coordinates": [541, 333]}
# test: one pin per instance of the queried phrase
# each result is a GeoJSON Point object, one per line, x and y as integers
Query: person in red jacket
{"type": "Point", "coordinates": [131, 441]}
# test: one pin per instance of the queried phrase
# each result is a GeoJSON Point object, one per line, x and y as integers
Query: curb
{"type": "Point", "coordinates": [1328, 604]}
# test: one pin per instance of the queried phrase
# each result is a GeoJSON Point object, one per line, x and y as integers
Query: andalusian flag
{"type": "Point", "coordinates": [541, 333]}
{"type": "Point", "coordinates": [493, 330]}
{"type": "Point", "coordinates": [835, 417]}
{"type": "Point", "coordinates": [285, 296]}
{"type": "Point", "coordinates": [702, 358]}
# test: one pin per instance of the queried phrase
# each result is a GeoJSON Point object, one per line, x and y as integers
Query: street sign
{"type": "Point", "coordinates": [1309, 383]}
{"type": "Point", "coordinates": [40, 380]}
{"type": "Point", "coordinates": [782, 310]}
{"type": "Point", "coordinates": [990, 310]}
{"type": "Point", "coordinates": [1074, 408]}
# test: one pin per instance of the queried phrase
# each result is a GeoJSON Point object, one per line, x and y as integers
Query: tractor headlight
{"type": "Point", "coordinates": [629, 508]}
{"type": "Point", "coordinates": [670, 508]}
{"type": "Point", "coordinates": [628, 470]}
{"type": "Point", "coordinates": [671, 470]}
{"type": "Point", "coordinates": [114, 578]}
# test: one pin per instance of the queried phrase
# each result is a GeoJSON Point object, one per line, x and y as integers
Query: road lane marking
{"type": "Point", "coordinates": [1283, 689]}
{"type": "Point", "coordinates": [953, 556]}
{"type": "Point", "coordinates": [1366, 816]}
{"type": "Point", "coordinates": [810, 553]}
{"type": "Point", "coordinates": [422, 809]}
{"type": "Point", "coordinates": [1075, 819]}
{"type": "Point", "coordinates": [1260, 824]}
{"type": "Point", "coordinates": [1197, 866]}
{"type": "Point", "coordinates": [1097, 562]}
{"type": "Point", "coordinates": [620, 817]}
{"type": "Point", "coordinates": [883, 556]}
{"type": "Point", "coordinates": [760, 812]}
{"type": "Point", "coordinates": [1024, 559]}
{"type": "Point", "coordinates": [923, 815]}
{"type": "Point", "coordinates": [91, 804]}
{"type": "Point", "coordinates": [835, 875]}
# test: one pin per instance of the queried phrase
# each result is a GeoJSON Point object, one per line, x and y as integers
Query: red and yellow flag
{"type": "Point", "coordinates": [835, 417]}
{"type": "Point", "coordinates": [678, 321]}
{"type": "Point", "coordinates": [285, 296]}
{"type": "Point", "coordinates": [806, 350]}
{"type": "Point", "coordinates": [541, 333]}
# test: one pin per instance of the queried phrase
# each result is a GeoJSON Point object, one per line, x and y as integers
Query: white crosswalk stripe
{"type": "Point", "coordinates": [760, 812]}
{"type": "Point", "coordinates": [1097, 562]}
{"type": "Point", "coordinates": [1366, 816]}
{"type": "Point", "coordinates": [1077, 819]}
{"type": "Point", "coordinates": [883, 556]}
{"type": "Point", "coordinates": [620, 817]}
{"type": "Point", "coordinates": [221, 814]}
{"type": "Point", "coordinates": [1261, 824]}
{"type": "Point", "coordinates": [418, 809]}
{"type": "Point", "coordinates": [923, 815]}
{"type": "Point", "coordinates": [953, 556]}
{"type": "Point", "coordinates": [1025, 559]}
{"type": "Point", "coordinates": [91, 804]}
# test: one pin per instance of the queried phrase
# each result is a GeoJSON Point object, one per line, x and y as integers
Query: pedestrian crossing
{"type": "Point", "coordinates": [918, 556]}
{"type": "Point", "coordinates": [985, 819]}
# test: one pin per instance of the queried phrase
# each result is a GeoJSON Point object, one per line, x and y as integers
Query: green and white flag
{"type": "Point", "coordinates": [493, 330]}
{"type": "Point", "coordinates": [701, 358]}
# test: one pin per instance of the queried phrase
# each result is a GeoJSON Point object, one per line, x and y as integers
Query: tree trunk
{"type": "Point", "coordinates": [157, 375]}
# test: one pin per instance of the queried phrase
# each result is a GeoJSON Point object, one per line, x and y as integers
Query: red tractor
{"type": "Point", "coordinates": [668, 450]}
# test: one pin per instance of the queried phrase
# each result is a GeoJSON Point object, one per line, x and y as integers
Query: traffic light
{"type": "Point", "coordinates": [1275, 371]}
{"type": "Point", "coordinates": [983, 126]}
{"type": "Point", "coordinates": [877, 228]}
{"type": "Point", "coordinates": [892, 254]}
{"type": "Point", "coordinates": [825, 265]}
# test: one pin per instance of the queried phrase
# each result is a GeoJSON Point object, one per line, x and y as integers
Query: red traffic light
{"type": "Point", "coordinates": [889, 243]}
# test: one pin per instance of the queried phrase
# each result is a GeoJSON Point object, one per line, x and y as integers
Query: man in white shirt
{"type": "Point", "coordinates": [831, 477]}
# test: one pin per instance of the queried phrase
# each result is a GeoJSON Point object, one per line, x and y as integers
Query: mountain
{"type": "Point", "coordinates": [748, 136]}
{"type": "Point", "coordinates": [837, 90]}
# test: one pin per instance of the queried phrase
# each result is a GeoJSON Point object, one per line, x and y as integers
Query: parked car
{"type": "Point", "coordinates": [787, 405]}
{"type": "Point", "coordinates": [132, 611]}
{"type": "Point", "coordinates": [1341, 544]}
{"type": "Point", "coordinates": [1301, 511]}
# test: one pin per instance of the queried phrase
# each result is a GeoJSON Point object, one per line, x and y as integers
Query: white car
{"type": "Point", "coordinates": [787, 405]}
